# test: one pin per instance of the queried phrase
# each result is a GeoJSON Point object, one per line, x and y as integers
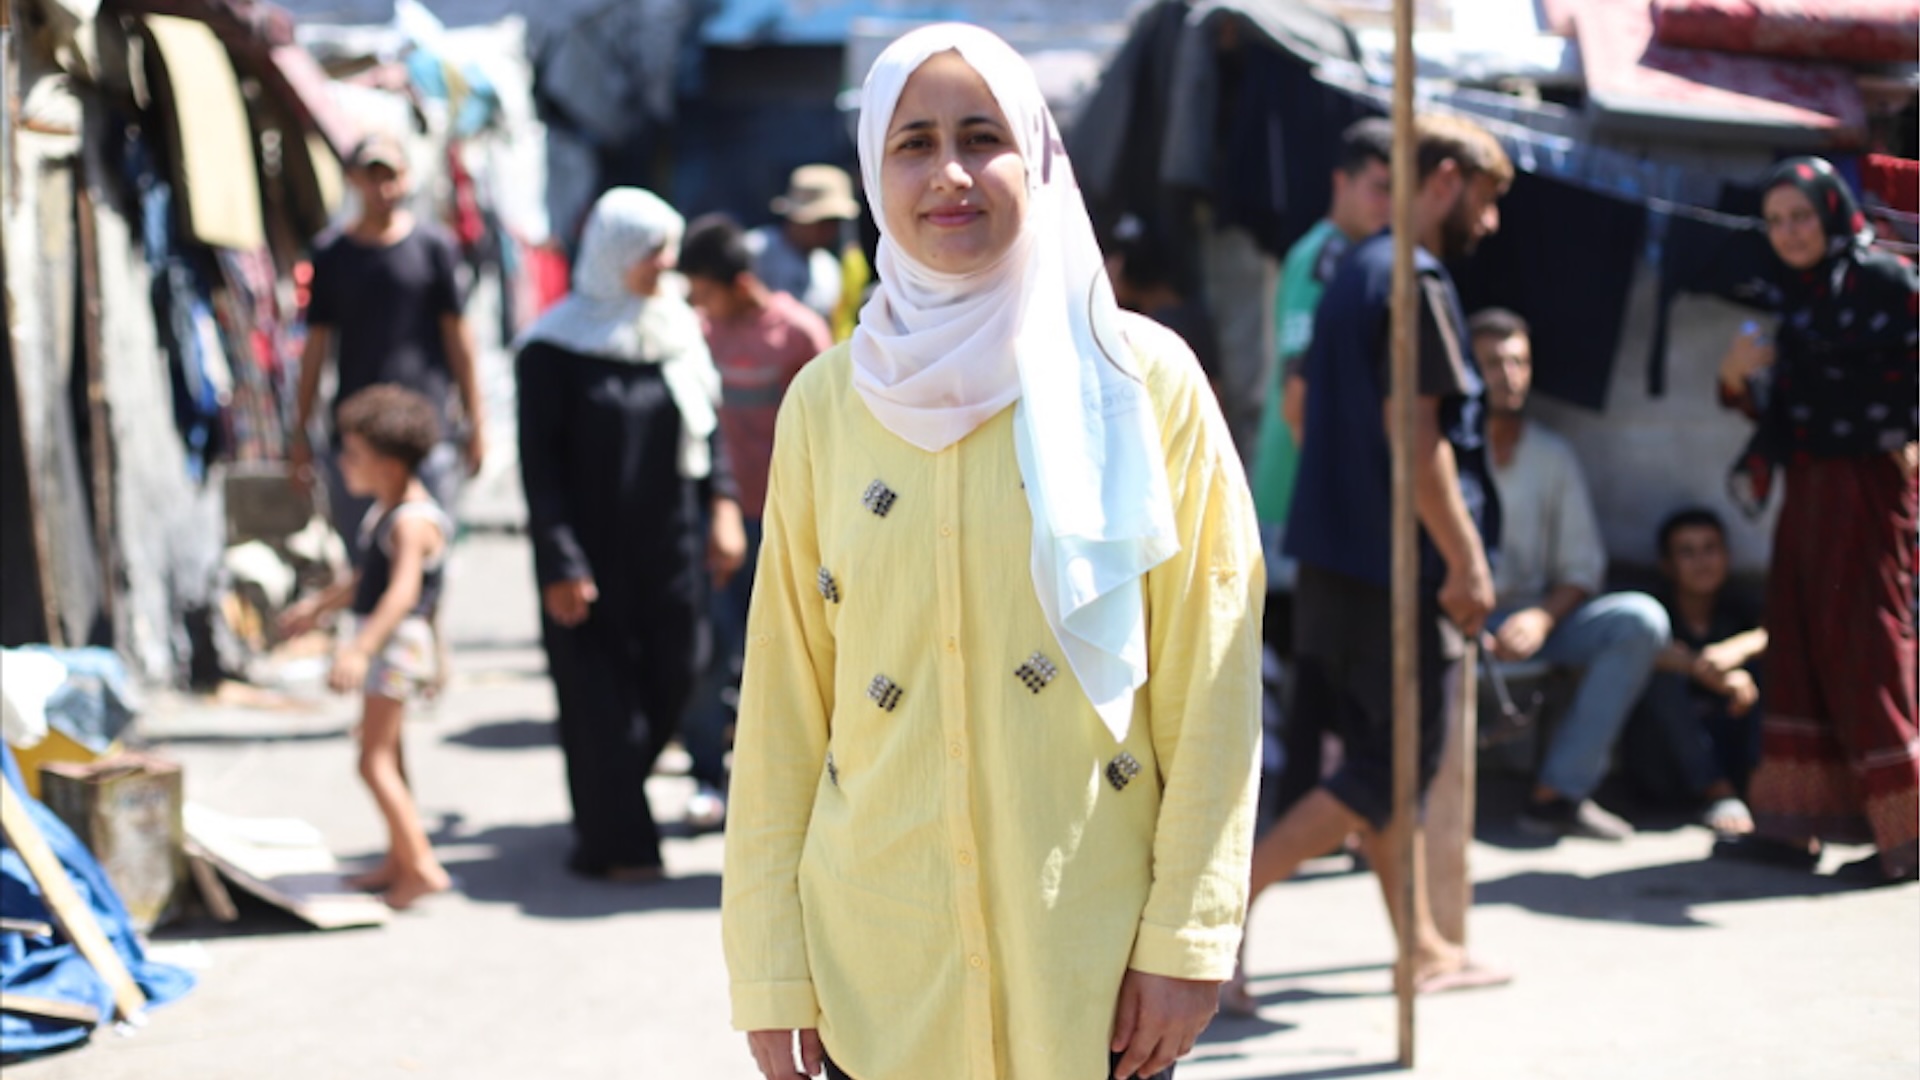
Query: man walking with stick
{"type": "Point", "coordinates": [1341, 528]}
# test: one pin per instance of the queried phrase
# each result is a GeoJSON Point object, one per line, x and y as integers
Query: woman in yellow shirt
{"type": "Point", "coordinates": [996, 760]}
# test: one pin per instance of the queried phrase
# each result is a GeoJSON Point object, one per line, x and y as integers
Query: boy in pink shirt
{"type": "Point", "coordinates": [760, 339]}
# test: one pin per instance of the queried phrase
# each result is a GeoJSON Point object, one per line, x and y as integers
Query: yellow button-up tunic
{"type": "Point", "coordinates": [927, 858]}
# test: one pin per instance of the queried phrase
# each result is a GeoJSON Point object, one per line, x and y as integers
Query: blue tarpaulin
{"type": "Point", "coordinates": [51, 968]}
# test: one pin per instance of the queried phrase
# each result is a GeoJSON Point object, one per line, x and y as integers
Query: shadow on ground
{"type": "Point", "coordinates": [527, 868]}
{"type": "Point", "coordinates": [223, 738]}
{"type": "Point", "coordinates": [506, 735]}
{"type": "Point", "coordinates": [1652, 895]}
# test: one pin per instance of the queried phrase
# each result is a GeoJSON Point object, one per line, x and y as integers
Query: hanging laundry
{"type": "Point", "coordinates": [1564, 258]}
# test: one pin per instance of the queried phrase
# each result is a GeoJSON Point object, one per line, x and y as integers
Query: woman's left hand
{"type": "Point", "coordinates": [1908, 458]}
{"type": "Point", "coordinates": [726, 542]}
{"type": "Point", "coordinates": [1158, 1020]}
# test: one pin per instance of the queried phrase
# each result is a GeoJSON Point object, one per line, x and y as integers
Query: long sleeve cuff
{"type": "Point", "coordinates": [1201, 953]}
{"type": "Point", "coordinates": [775, 1006]}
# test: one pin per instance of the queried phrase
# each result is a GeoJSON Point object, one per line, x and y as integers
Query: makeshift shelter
{"type": "Point", "coordinates": [167, 165]}
{"type": "Point", "coordinates": [1628, 239]}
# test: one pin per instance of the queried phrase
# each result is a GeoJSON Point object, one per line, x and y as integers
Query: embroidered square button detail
{"type": "Point", "coordinates": [829, 588]}
{"type": "Point", "coordinates": [884, 692]}
{"type": "Point", "coordinates": [1122, 770]}
{"type": "Point", "coordinates": [878, 498]}
{"type": "Point", "coordinates": [1037, 672]}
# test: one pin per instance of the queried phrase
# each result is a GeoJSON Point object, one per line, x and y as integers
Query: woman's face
{"type": "Point", "coordinates": [643, 277]}
{"type": "Point", "coordinates": [1793, 225]}
{"type": "Point", "coordinates": [952, 180]}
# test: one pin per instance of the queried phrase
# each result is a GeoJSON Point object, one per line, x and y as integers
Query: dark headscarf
{"type": "Point", "coordinates": [1844, 378]}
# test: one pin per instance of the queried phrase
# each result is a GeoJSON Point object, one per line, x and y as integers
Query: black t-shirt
{"type": "Point", "coordinates": [384, 306]}
{"type": "Point", "coordinates": [1731, 615]}
{"type": "Point", "coordinates": [1341, 517]}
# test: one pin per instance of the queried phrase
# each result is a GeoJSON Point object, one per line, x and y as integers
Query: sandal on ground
{"type": "Point", "coordinates": [1761, 849]}
{"type": "Point", "coordinates": [1728, 817]}
{"type": "Point", "coordinates": [1870, 872]}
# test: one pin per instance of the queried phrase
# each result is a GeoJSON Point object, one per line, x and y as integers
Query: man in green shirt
{"type": "Point", "coordinates": [1362, 206]}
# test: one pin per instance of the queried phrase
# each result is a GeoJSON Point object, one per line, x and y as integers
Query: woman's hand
{"type": "Point", "coordinates": [773, 1053]}
{"type": "Point", "coordinates": [569, 602]}
{"type": "Point", "coordinates": [1158, 1020]}
{"type": "Point", "coordinates": [726, 542]}
{"type": "Point", "coordinates": [1750, 354]}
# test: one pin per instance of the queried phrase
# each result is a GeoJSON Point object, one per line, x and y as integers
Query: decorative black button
{"type": "Point", "coordinates": [829, 588]}
{"type": "Point", "coordinates": [833, 771]}
{"type": "Point", "coordinates": [1037, 672]}
{"type": "Point", "coordinates": [878, 498]}
{"type": "Point", "coordinates": [884, 692]}
{"type": "Point", "coordinates": [1122, 770]}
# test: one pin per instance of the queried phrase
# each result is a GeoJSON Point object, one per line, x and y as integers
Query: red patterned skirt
{"type": "Point", "coordinates": [1840, 754]}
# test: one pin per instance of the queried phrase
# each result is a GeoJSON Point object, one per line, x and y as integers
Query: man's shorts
{"type": "Point", "coordinates": [407, 665]}
{"type": "Point", "coordinates": [1344, 626]}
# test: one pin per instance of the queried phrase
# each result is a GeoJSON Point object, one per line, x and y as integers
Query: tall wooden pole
{"type": "Point", "coordinates": [1406, 570]}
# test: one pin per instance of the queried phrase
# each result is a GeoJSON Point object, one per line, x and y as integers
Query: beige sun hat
{"type": "Point", "coordinates": [817, 193]}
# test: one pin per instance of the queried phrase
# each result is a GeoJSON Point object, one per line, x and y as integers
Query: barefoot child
{"type": "Point", "coordinates": [390, 655]}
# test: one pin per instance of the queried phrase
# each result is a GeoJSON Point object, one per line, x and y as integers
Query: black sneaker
{"type": "Point", "coordinates": [1564, 817]}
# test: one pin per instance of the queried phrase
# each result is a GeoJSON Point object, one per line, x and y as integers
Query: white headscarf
{"type": "Point", "coordinates": [602, 317]}
{"type": "Point", "coordinates": [936, 355]}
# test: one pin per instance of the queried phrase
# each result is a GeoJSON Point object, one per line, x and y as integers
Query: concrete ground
{"type": "Point", "coordinates": [1639, 960]}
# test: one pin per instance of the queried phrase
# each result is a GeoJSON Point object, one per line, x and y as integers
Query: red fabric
{"type": "Point", "coordinates": [547, 267]}
{"type": "Point", "coordinates": [1847, 31]}
{"type": "Point", "coordinates": [1894, 181]}
{"type": "Point", "coordinates": [1627, 71]}
{"type": "Point", "coordinates": [1840, 755]}
{"type": "Point", "coordinates": [468, 224]}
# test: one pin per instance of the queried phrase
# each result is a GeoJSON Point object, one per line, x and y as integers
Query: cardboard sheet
{"type": "Point", "coordinates": [285, 862]}
{"type": "Point", "coordinates": [218, 177]}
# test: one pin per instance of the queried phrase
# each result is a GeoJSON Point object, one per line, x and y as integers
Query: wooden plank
{"type": "Point", "coordinates": [29, 927]}
{"type": "Point", "coordinates": [284, 862]}
{"type": "Point", "coordinates": [25, 1005]}
{"type": "Point", "coordinates": [1449, 815]}
{"type": "Point", "coordinates": [213, 891]}
{"type": "Point", "coordinates": [1405, 563]}
{"type": "Point", "coordinates": [99, 433]}
{"type": "Point", "coordinates": [70, 913]}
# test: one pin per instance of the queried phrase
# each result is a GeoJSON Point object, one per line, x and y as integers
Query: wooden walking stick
{"type": "Point", "coordinates": [1406, 570]}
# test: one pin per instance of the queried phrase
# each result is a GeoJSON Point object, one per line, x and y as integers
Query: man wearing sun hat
{"type": "Point", "coordinates": [808, 253]}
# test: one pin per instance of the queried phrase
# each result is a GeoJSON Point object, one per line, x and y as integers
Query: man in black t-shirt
{"type": "Point", "coordinates": [1696, 736]}
{"type": "Point", "coordinates": [1339, 528]}
{"type": "Point", "coordinates": [385, 308]}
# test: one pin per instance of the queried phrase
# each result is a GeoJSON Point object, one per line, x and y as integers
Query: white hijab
{"type": "Point", "coordinates": [601, 317]}
{"type": "Point", "coordinates": [936, 355]}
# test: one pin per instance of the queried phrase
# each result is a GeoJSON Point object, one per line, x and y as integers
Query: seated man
{"type": "Point", "coordinates": [1696, 735]}
{"type": "Point", "coordinates": [1548, 607]}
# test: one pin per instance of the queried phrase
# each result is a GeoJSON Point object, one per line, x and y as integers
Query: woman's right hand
{"type": "Point", "coordinates": [568, 602]}
{"type": "Point", "coordinates": [1750, 354]}
{"type": "Point", "coordinates": [773, 1053]}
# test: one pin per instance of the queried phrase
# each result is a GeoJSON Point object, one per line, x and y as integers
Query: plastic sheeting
{"type": "Point", "coordinates": [50, 968]}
